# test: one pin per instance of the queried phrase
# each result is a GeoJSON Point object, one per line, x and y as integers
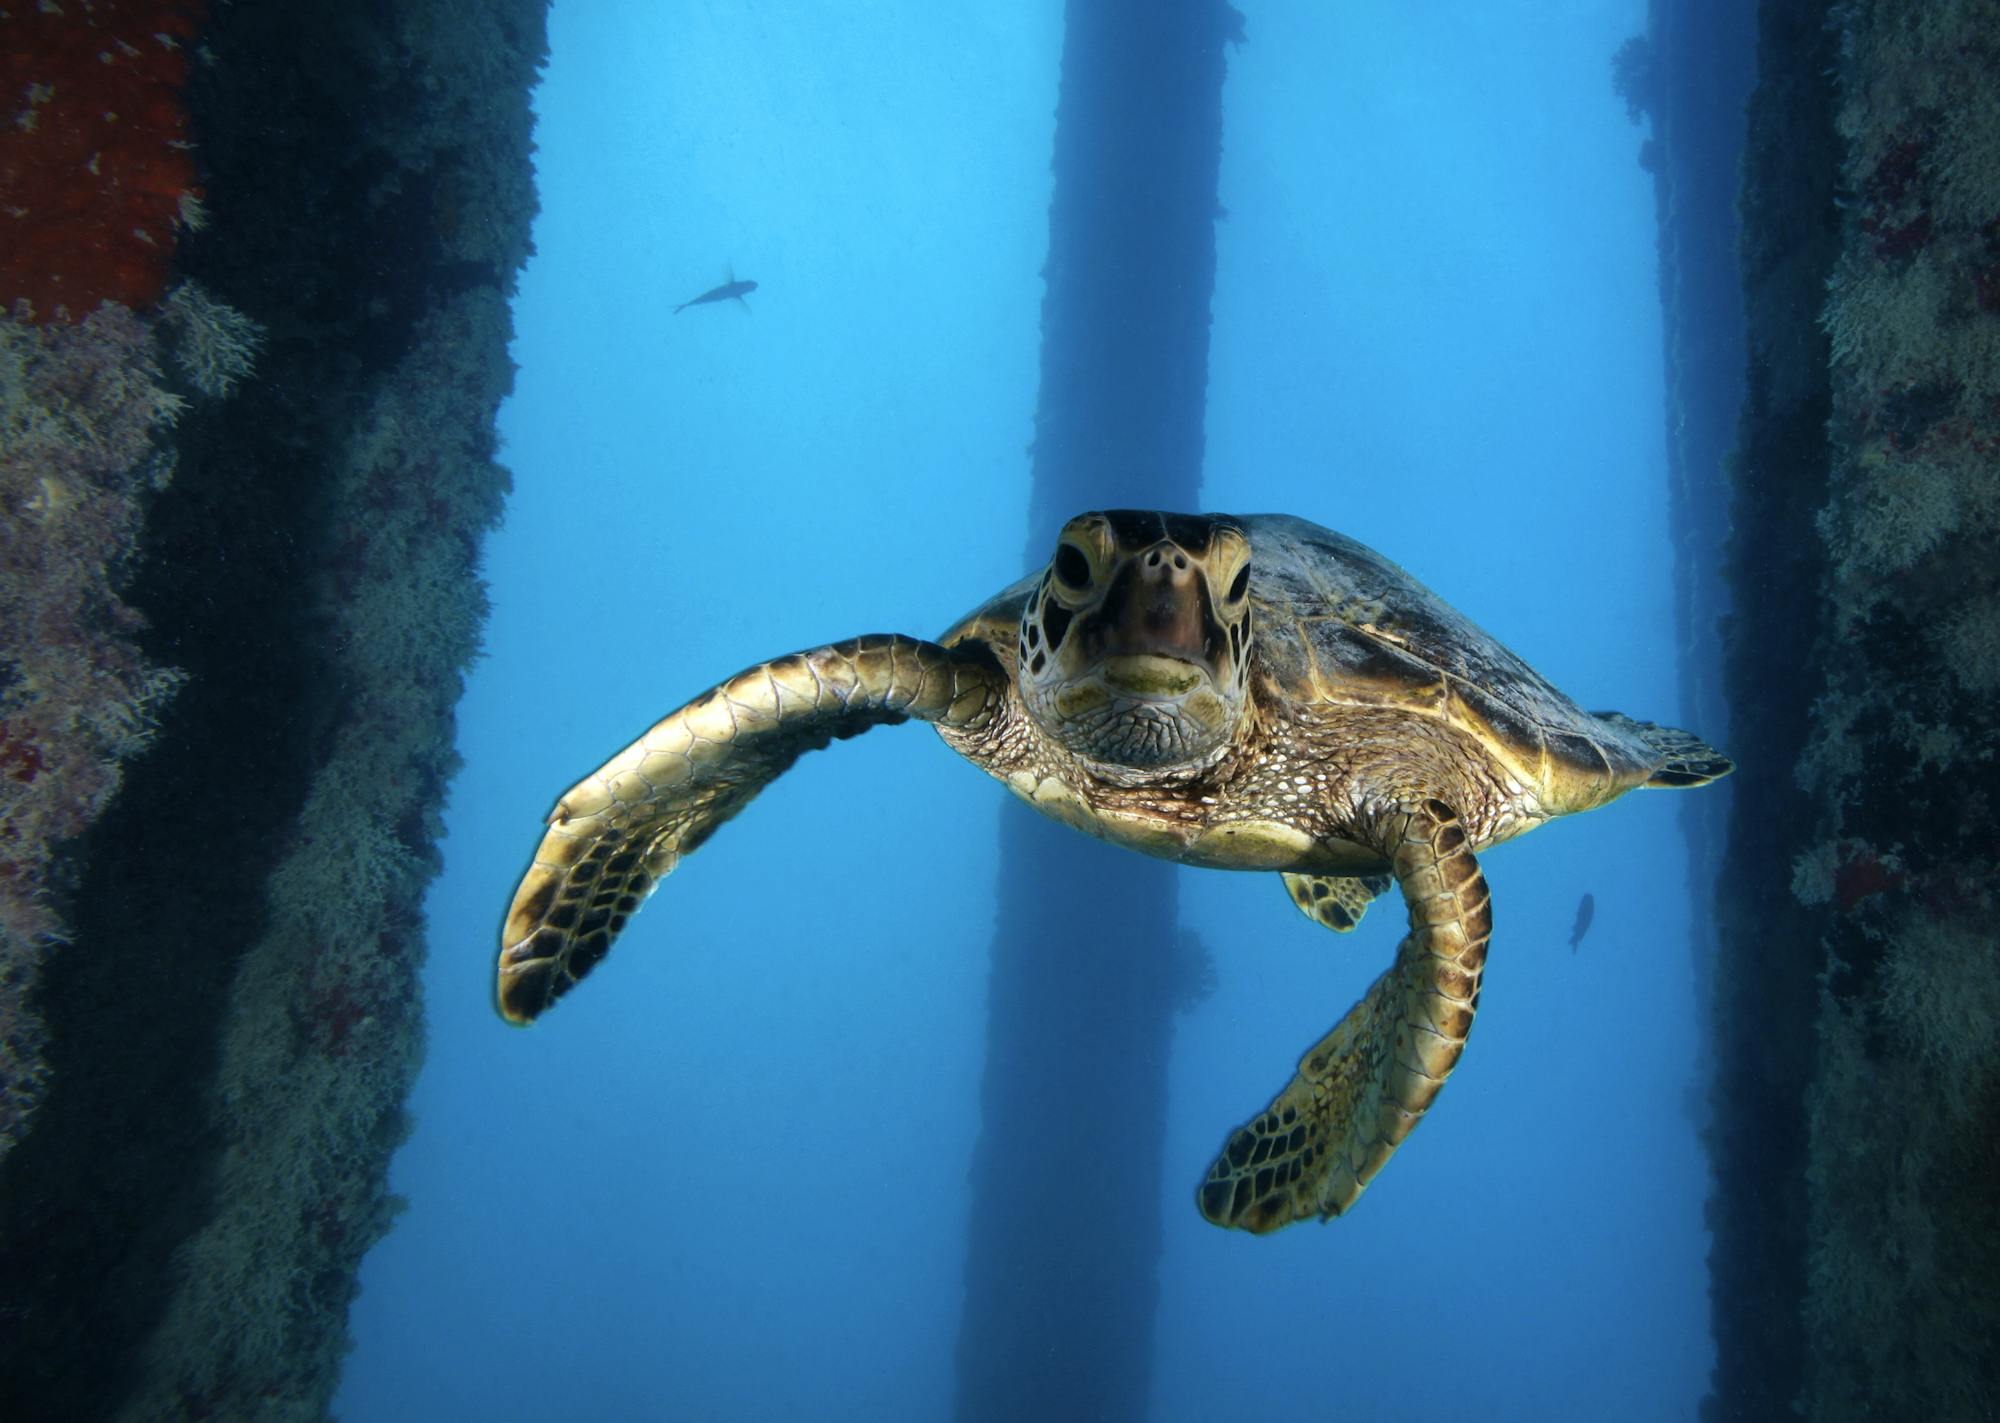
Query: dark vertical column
{"type": "Point", "coordinates": [1702, 65]}
{"type": "Point", "coordinates": [1088, 961]}
{"type": "Point", "coordinates": [236, 1017]}
{"type": "Point", "coordinates": [1856, 1208]}
{"type": "Point", "coordinates": [1767, 984]}
{"type": "Point", "coordinates": [1694, 72]}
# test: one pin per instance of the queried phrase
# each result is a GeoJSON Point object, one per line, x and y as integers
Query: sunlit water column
{"type": "Point", "coordinates": [1088, 958]}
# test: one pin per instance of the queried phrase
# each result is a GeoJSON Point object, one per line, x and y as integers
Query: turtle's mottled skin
{"type": "Point", "coordinates": [1250, 693]}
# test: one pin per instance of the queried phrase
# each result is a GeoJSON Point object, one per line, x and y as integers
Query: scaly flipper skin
{"type": "Point", "coordinates": [1336, 901]}
{"type": "Point", "coordinates": [615, 834]}
{"type": "Point", "coordinates": [1364, 1086]}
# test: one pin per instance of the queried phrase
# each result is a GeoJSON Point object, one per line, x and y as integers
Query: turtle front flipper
{"type": "Point", "coordinates": [615, 834]}
{"type": "Point", "coordinates": [1364, 1086]}
{"type": "Point", "coordinates": [1336, 901]}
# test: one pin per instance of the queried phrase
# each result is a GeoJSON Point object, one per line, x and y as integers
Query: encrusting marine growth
{"type": "Point", "coordinates": [97, 167]}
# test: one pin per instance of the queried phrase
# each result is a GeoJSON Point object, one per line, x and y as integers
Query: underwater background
{"type": "Point", "coordinates": [383, 445]}
{"type": "Point", "coordinates": [730, 1177]}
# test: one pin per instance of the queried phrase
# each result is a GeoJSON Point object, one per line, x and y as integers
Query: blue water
{"type": "Point", "coordinates": [727, 1179]}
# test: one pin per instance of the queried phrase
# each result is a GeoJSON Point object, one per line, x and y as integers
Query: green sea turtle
{"type": "Point", "coordinates": [1248, 693]}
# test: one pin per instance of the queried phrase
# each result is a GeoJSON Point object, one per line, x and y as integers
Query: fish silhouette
{"type": "Point", "coordinates": [1586, 910]}
{"type": "Point", "coordinates": [731, 290]}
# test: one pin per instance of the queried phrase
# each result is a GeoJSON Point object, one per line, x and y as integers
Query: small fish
{"type": "Point", "coordinates": [728, 291]}
{"type": "Point", "coordinates": [1586, 910]}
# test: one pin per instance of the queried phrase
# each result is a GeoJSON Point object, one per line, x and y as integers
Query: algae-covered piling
{"type": "Point", "coordinates": [1857, 1101]}
{"type": "Point", "coordinates": [224, 1018]}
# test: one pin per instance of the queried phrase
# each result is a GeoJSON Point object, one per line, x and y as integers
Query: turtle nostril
{"type": "Point", "coordinates": [1164, 561]}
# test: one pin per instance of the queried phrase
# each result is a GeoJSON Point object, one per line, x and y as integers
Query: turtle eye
{"type": "Point", "coordinates": [1072, 568]}
{"type": "Point", "coordinates": [1240, 584]}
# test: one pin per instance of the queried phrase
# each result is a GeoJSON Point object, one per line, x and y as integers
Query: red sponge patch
{"type": "Point", "coordinates": [97, 169]}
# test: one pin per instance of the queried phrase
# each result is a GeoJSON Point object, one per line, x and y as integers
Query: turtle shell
{"type": "Point", "coordinates": [1337, 623]}
{"type": "Point", "coordinates": [1334, 623]}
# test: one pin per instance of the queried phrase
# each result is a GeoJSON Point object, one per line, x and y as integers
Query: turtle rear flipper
{"type": "Point", "coordinates": [1337, 901]}
{"type": "Point", "coordinates": [1366, 1084]}
{"type": "Point", "coordinates": [1685, 759]}
{"type": "Point", "coordinates": [618, 832]}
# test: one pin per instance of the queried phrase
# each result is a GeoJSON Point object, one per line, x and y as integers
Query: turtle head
{"type": "Point", "coordinates": [1135, 645]}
